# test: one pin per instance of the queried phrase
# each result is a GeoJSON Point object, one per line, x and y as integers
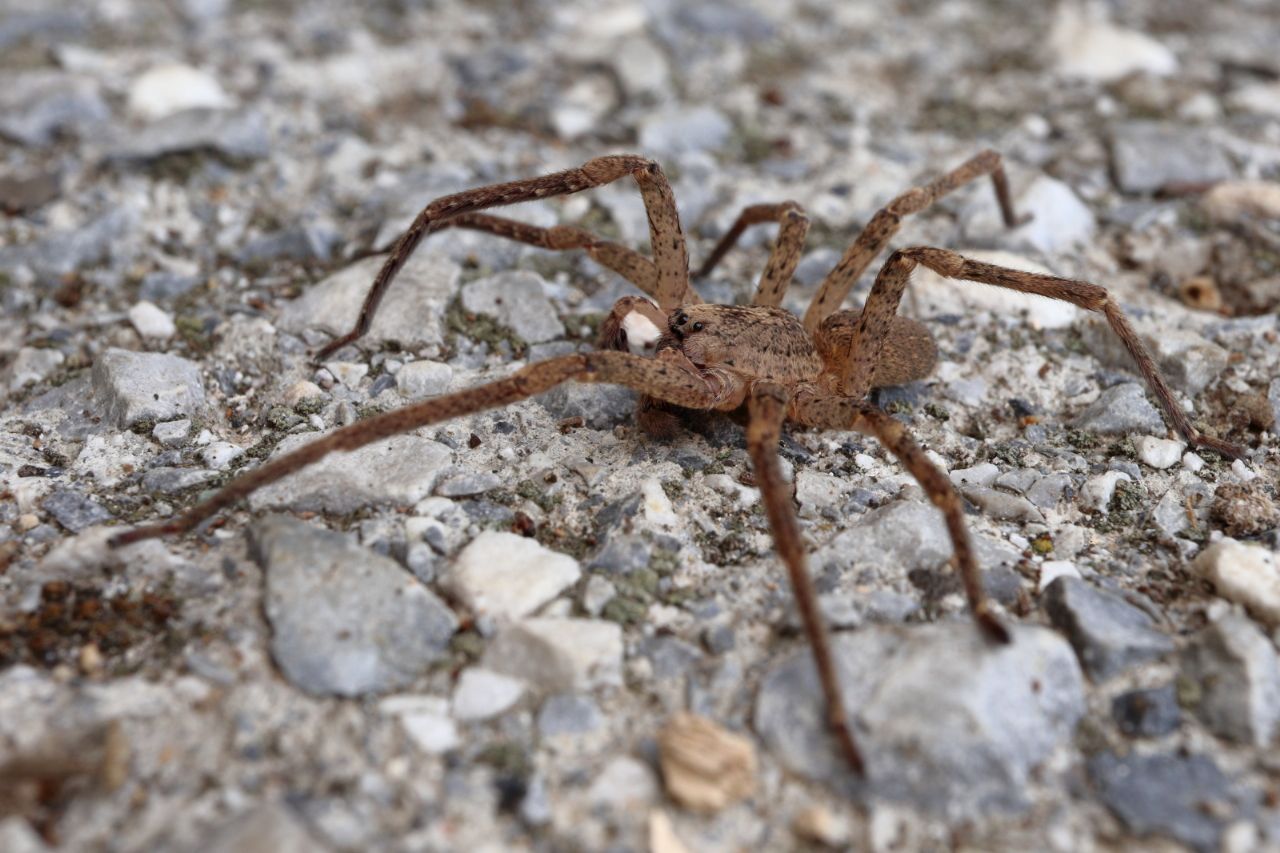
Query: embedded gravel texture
{"type": "Point", "coordinates": [478, 635]}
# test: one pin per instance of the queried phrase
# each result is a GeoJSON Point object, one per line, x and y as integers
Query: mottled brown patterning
{"type": "Point", "coordinates": [683, 355]}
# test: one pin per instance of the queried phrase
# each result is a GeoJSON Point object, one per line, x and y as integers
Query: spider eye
{"type": "Point", "coordinates": [698, 327]}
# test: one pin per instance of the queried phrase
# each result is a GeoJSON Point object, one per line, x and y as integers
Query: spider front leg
{"type": "Point", "coordinates": [671, 259]}
{"type": "Point", "coordinates": [877, 233]}
{"type": "Point", "coordinates": [836, 412]}
{"type": "Point", "coordinates": [767, 409]}
{"type": "Point", "coordinates": [860, 371]}
{"type": "Point", "coordinates": [793, 225]}
{"type": "Point", "coordinates": [658, 378]}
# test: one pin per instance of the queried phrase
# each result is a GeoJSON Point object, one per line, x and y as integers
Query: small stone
{"type": "Point", "coordinates": [705, 767]}
{"type": "Point", "coordinates": [983, 474]}
{"type": "Point", "coordinates": [1259, 98]}
{"type": "Point", "coordinates": [172, 433]}
{"type": "Point", "coordinates": [418, 380]}
{"type": "Point", "coordinates": [506, 576]}
{"type": "Point", "coordinates": [1051, 570]}
{"type": "Point", "coordinates": [1147, 156]}
{"type": "Point", "coordinates": [1059, 220]}
{"type": "Point", "coordinates": [348, 373]}
{"type": "Point", "coordinates": [345, 620]}
{"type": "Point", "coordinates": [32, 365]}
{"type": "Point", "coordinates": [1245, 574]}
{"type": "Point", "coordinates": [516, 299]}
{"type": "Point", "coordinates": [1121, 410]}
{"type": "Point", "coordinates": [167, 89]}
{"type": "Point", "coordinates": [1002, 506]}
{"type": "Point", "coordinates": [1234, 201]}
{"type": "Point", "coordinates": [946, 721]}
{"type": "Point", "coordinates": [568, 714]}
{"type": "Point", "coordinates": [1244, 509]}
{"type": "Point", "coordinates": [37, 106]}
{"type": "Point", "coordinates": [626, 785]}
{"type": "Point", "coordinates": [1159, 453]}
{"type": "Point", "coordinates": [481, 694]}
{"type": "Point", "coordinates": [411, 314]}
{"type": "Point", "coordinates": [1192, 462]}
{"type": "Point", "coordinates": [1166, 795]}
{"type": "Point", "coordinates": [75, 511]}
{"type": "Point", "coordinates": [1170, 514]}
{"type": "Point", "coordinates": [400, 470]}
{"type": "Point", "coordinates": [240, 134]}
{"type": "Point", "coordinates": [1050, 490]}
{"type": "Point", "coordinates": [1238, 672]}
{"type": "Point", "coordinates": [136, 386]}
{"type": "Point", "coordinates": [24, 193]}
{"type": "Point", "coordinates": [167, 480]}
{"type": "Point", "coordinates": [28, 521]}
{"type": "Point", "coordinates": [1109, 634]}
{"type": "Point", "coordinates": [681, 129]}
{"type": "Point", "coordinates": [818, 494]}
{"type": "Point", "coordinates": [1098, 490]}
{"type": "Point", "coordinates": [597, 593]}
{"type": "Point", "coordinates": [557, 655]}
{"type": "Point", "coordinates": [600, 406]}
{"type": "Point", "coordinates": [820, 825]}
{"type": "Point", "coordinates": [425, 720]}
{"type": "Point", "coordinates": [220, 454]}
{"type": "Point", "coordinates": [467, 483]}
{"type": "Point", "coordinates": [1085, 45]}
{"type": "Point", "coordinates": [1147, 713]}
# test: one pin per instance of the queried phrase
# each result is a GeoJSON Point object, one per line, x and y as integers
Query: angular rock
{"type": "Point", "coordinates": [1120, 410]}
{"type": "Point", "coordinates": [600, 406]}
{"type": "Point", "coordinates": [1048, 491]}
{"type": "Point", "coordinates": [1147, 713]}
{"type": "Point", "coordinates": [32, 365]}
{"type": "Point", "coordinates": [167, 480]}
{"type": "Point", "coordinates": [75, 511]}
{"type": "Point", "coordinates": [684, 129]}
{"type": "Point", "coordinates": [568, 714]}
{"type": "Point", "coordinates": [172, 433]}
{"type": "Point", "coordinates": [1146, 156]}
{"type": "Point", "coordinates": [467, 483]}
{"type": "Point", "coordinates": [508, 576]}
{"type": "Point", "coordinates": [556, 655]}
{"type": "Point", "coordinates": [1238, 672]}
{"type": "Point", "coordinates": [64, 251]}
{"type": "Point", "coordinates": [243, 134]}
{"type": "Point", "coordinates": [1245, 574]}
{"type": "Point", "coordinates": [1108, 633]}
{"type": "Point", "coordinates": [344, 620]}
{"type": "Point", "coordinates": [1159, 453]}
{"type": "Point", "coordinates": [946, 721]}
{"type": "Point", "coordinates": [400, 470]}
{"type": "Point", "coordinates": [36, 106]}
{"type": "Point", "coordinates": [1002, 506]}
{"type": "Point", "coordinates": [1166, 795]}
{"type": "Point", "coordinates": [481, 694]}
{"type": "Point", "coordinates": [411, 314]}
{"type": "Point", "coordinates": [425, 720]}
{"type": "Point", "coordinates": [136, 386]}
{"type": "Point", "coordinates": [517, 300]}
{"type": "Point", "coordinates": [420, 379]}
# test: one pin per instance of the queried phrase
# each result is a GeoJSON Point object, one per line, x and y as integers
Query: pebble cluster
{"type": "Point", "coordinates": [536, 627]}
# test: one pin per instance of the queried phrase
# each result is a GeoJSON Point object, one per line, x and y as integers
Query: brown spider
{"type": "Point", "coordinates": [705, 357]}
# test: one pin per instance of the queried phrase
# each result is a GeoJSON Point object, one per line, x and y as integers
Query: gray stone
{"type": "Point", "coordinates": [1238, 672]}
{"type": "Point", "coordinates": [1108, 633]}
{"type": "Point", "coordinates": [947, 721]}
{"type": "Point", "coordinates": [172, 433]}
{"type": "Point", "coordinates": [1002, 506]}
{"type": "Point", "coordinates": [559, 654]}
{"type": "Point", "coordinates": [241, 135]}
{"type": "Point", "coordinates": [568, 714]}
{"type": "Point", "coordinates": [1018, 480]}
{"type": "Point", "coordinates": [465, 483]}
{"type": "Point", "coordinates": [983, 474]}
{"type": "Point", "coordinates": [599, 406]}
{"type": "Point", "coordinates": [36, 106]}
{"type": "Point", "coordinates": [411, 314]}
{"type": "Point", "coordinates": [75, 511]}
{"type": "Point", "coordinates": [135, 386]}
{"type": "Point", "coordinates": [301, 243]}
{"type": "Point", "coordinates": [1050, 490]}
{"type": "Point", "coordinates": [419, 379]}
{"type": "Point", "coordinates": [518, 301]}
{"type": "Point", "coordinates": [32, 365]}
{"type": "Point", "coordinates": [167, 480]}
{"type": "Point", "coordinates": [1146, 156]}
{"type": "Point", "coordinates": [622, 553]}
{"type": "Point", "coordinates": [683, 129]}
{"type": "Point", "coordinates": [1147, 713]}
{"type": "Point", "coordinates": [400, 470]}
{"type": "Point", "coordinates": [345, 620]}
{"type": "Point", "coordinates": [1166, 795]}
{"type": "Point", "coordinates": [1121, 410]}
{"type": "Point", "coordinates": [62, 252]}
{"type": "Point", "coordinates": [1188, 361]}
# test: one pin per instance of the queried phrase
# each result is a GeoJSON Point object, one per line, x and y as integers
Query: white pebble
{"type": "Point", "coordinates": [1243, 471]}
{"type": "Point", "coordinates": [220, 454]}
{"type": "Point", "coordinates": [506, 576]}
{"type": "Point", "coordinates": [1098, 490]}
{"type": "Point", "coordinates": [1245, 574]}
{"type": "Point", "coordinates": [172, 88]}
{"type": "Point", "coordinates": [657, 506]}
{"type": "Point", "coordinates": [481, 694]}
{"type": "Point", "coordinates": [1192, 462]}
{"type": "Point", "coordinates": [151, 322]}
{"type": "Point", "coordinates": [1158, 452]}
{"type": "Point", "coordinates": [1051, 569]}
{"type": "Point", "coordinates": [425, 720]}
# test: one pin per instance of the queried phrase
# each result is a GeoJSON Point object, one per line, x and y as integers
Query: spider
{"type": "Point", "coordinates": [687, 356]}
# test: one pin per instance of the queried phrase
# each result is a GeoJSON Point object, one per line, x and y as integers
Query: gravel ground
{"type": "Point", "coordinates": [509, 633]}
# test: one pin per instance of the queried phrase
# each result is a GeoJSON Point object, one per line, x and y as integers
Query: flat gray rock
{"type": "Point", "coordinates": [599, 406]}
{"type": "Point", "coordinates": [411, 313]}
{"type": "Point", "coordinates": [75, 511]}
{"type": "Point", "coordinates": [344, 620]}
{"type": "Point", "coordinates": [1146, 156]}
{"type": "Point", "coordinates": [1108, 633]}
{"type": "Point", "coordinates": [400, 470]}
{"type": "Point", "coordinates": [1237, 670]}
{"type": "Point", "coordinates": [515, 299]}
{"type": "Point", "coordinates": [947, 721]}
{"type": "Point", "coordinates": [136, 386]}
{"type": "Point", "coordinates": [241, 134]}
{"type": "Point", "coordinates": [1120, 410]}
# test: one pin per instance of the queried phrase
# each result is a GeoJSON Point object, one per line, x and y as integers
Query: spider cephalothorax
{"type": "Point", "coordinates": [683, 354]}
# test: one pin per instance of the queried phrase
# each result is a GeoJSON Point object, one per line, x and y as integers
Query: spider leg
{"type": "Point", "coordinates": [671, 258]}
{"type": "Point", "coordinates": [628, 263]}
{"type": "Point", "coordinates": [837, 412]}
{"type": "Point", "coordinates": [767, 407]}
{"type": "Point", "coordinates": [858, 373]}
{"type": "Point", "coordinates": [793, 224]}
{"type": "Point", "coordinates": [886, 222]}
{"type": "Point", "coordinates": [664, 379]}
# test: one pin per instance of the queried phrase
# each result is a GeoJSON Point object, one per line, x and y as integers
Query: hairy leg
{"type": "Point", "coordinates": [664, 379]}
{"type": "Point", "coordinates": [793, 225]}
{"type": "Point", "coordinates": [859, 372]}
{"type": "Point", "coordinates": [767, 407]}
{"type": "Point", "coordinates": [886, 222]}
{"type": "Point", "coordinates": [835, 412]}
{"type": "Point", "coordinates": [671, 259]}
